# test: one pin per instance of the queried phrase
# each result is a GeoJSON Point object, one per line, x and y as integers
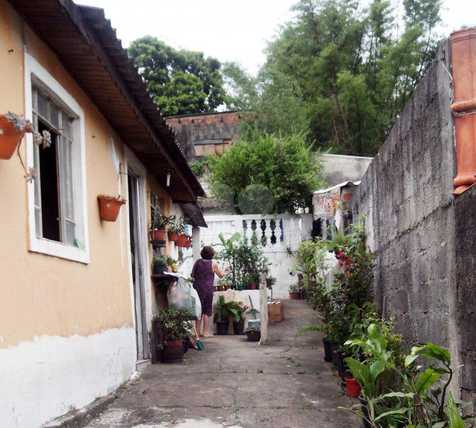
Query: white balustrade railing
{"type": "Point", "coordinates": [279, 235]}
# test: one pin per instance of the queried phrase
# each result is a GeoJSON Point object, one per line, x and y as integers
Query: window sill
{"type": "Point", "coordinates": [57, 249]}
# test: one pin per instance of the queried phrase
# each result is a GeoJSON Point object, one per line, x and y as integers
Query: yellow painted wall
{"type": "Point", "coordinates": [40, 294]}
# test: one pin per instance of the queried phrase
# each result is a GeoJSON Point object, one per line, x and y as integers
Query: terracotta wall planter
{"type": "Point", "coordinates": [10, 137]}
{"type": "Point", "coordinates": [158, 235]}
{"type": "Point", "coordinates": [463, 54]}
{"type": "Point", "coordinates": [184, 241]}
{"type": "Point", "coordinates": [109, 207]}
{"type": "Point", "coordinates": [173, 236]}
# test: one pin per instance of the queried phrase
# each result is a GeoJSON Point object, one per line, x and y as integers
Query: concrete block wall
{"type": "Point", "coordinates": [406, 197]}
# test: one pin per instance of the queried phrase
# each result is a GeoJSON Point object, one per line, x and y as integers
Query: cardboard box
{"type": "Point", "coordinates": [275, 311]}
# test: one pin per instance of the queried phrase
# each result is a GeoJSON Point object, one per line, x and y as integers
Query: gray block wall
{"type": "Point", "coordinates": [406, 197]}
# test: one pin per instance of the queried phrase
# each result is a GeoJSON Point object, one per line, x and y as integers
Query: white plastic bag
{"type": "Point", "coordinates": [182, 295]}
{"type": "Point", "coordinates": [197, 304]}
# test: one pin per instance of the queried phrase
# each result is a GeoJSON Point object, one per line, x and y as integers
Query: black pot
{"type": "Point", "coordinates": [339, 363]}
{"type": "Point", "coordinates": [328, 348]}
{"type": "Point", "coordinates": [238, 327]}
{"type": "Point", "coordinates": [253, 335]}
{"type": "Point", "coordinates": [222, 327]}
{"type": "Point", "coordinates": [365, 411]}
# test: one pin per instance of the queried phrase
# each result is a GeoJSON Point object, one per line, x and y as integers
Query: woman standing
{"type": "Point", "coordinates": [203, 274]}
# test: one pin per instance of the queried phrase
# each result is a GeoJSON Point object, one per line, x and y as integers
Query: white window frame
{"type": "Point", "coordinates": [38, 75]}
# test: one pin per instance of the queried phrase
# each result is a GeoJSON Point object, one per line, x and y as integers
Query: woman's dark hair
{"type": "Point", "coordinates": [207, 253]}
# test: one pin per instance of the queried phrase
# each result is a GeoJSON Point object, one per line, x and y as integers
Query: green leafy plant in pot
{"type": "Point", "coordinates": [175, 229]}
{"type": "Point", "coordinates": [221, 316]}
{"type": "Point", "coordinates": [175, 327]}
{"type": "Point", "coordinates": [159, 265]}
{"type": "Point", "coordinates": [236, 312]}
{"type": "Point", "coordinates": [158, 228]}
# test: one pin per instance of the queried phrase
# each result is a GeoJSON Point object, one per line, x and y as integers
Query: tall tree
{"type": "Point", "coordinates": [180, 81]}
{"type": "Point", "coordinates": [341, 72]}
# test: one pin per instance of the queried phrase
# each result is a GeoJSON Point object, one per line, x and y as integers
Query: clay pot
{"type": "Point", "coordinates": [10, 137]}
{"type": "Point", "coordinates": [173, 236]}
{"type": "Point", "coordinates": [352, 387]}
{"type": "Point", "coordinates": [182, 241]}
{"type": "Point", "coordinates": [158, 235]}
{"type": "Point", "coordinates": [173, 351]}
{"type": "Point", "coordinates": [296, 295]}
{"type": "Point", "coordinates": [252, 286]}
{"type": "Point", "coordinates": [109, 207]}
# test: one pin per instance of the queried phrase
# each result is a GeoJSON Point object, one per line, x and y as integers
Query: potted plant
{"type": "Point", "coordinates": [158, 229]}
{"type": "Point", "coordinates": [183, 241]}
{"type": "Point", "coordinates": [172, 264]}
{"type": "Point", "coordinates": [159, 265]}
{"type": "Point", "coordinates": [109, 207]}
{"type": "Point", "coordinates": [12, 130]}
{"type": "Point", "coordinates": [176, 228]}
{"type": "Point", "coordinates": [253, 334]}
{"type": "Point", "coordinates": [175, 327]}
{"type": "Point", "coordinates": [236, 312]}
{"type": "Point", "coordinates": [294, 292]}
{"type": "Point", "coordinates": [221, 316]}
{"type": "Point", "coordinates": [352, 387]}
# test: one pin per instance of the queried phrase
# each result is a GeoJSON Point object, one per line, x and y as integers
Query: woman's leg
{"type": "Point", "coordinates": [198, 330]}
{"type": "Point", "coordinates": [206, 321]}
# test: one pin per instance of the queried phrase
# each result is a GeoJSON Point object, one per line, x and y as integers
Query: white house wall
{"type": "Point", "coordinates": [50, 376]}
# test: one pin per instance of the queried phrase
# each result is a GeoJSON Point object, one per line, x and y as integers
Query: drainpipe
{"type": "Point", "coordinates": [463, 54]}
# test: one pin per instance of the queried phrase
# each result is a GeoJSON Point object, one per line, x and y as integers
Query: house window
{"type": "Point", "coordinates": [54, 195]}
{"type": "Point", "coordinates": [57, 195]}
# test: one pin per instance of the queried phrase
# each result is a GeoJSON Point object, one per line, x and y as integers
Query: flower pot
{"type": "Point", "coordinates": [173, 351]}
{"type": "Point", "coordinates": [222, 327]}
{"type": "Point", "coordinates": [109, 207]}
{"type": "Point", "coordinates": [294, 295]}
{"type": "Point", "coordinates": [253, 335]}
{"type": "Point", "coordinates": [238, 327]}
{"type": "Point", "coordinates": [328, 348]}
{"type": "Point", "coordinates": [182, 240]}
{"type": "Point", "coordinates": [220, 288]}
{"type": "Point", "coordinates": [10, 137]}
{"type": "Point", "coordinates": [158, 235]}
{"type": "Point", "coordinates": [365, 412]}
{"type": "Point", "coordinates": [352, 387]}
{"type": "Point", "coordinates": [252, 286]}
{"type": "Point", "coordinates": [339, 363]}
{"type": "Point", "coordinates": [173, 236]}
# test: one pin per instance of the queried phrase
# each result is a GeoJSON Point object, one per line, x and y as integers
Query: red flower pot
{"type": "Point", "coordinates": [158, 235]}
{"type": "Point", "coordinates": [295, 295]}
{"type": "Point", "coordinates": [173, 236]}
{"type": "Point", "coordinates": [10, 137]}
{"type": "Point", "coordinates": [183, 241]}
{"type": "Point", "coordinates": [253, 286]}
{"type": "Point", "coordinates": [352, 387]}
{"type": "Point", "coordinates": [109, 207]}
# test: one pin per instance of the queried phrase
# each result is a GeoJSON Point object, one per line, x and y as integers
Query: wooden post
{"type": "Point", "coordinates": [263, 298]}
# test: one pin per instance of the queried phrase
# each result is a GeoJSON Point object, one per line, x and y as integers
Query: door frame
{"type": "Point", "coordinates": [135, 166]}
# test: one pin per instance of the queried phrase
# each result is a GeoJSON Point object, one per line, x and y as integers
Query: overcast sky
{"type": "Point", "coordinates": [229, 30]}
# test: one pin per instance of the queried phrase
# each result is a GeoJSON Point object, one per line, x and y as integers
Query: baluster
{"type": "Point", "coordinates": [254, 237]}
{"type": "Point", "coordinates": [281, 228]}
{"type": "Point", "coordinates": [264, 239]}
{"type": "Point", "coordinates": [272, 226]}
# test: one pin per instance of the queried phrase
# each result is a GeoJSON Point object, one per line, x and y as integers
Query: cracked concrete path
{"type": "Point", "coordinates": [239, 384]}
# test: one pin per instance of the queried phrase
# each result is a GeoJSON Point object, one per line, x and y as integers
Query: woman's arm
{"type": "Point", "coordinates": [217, 270]}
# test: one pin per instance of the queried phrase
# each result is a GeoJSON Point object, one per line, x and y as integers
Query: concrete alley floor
{"type": "Point", "coordinates": [239, 384]}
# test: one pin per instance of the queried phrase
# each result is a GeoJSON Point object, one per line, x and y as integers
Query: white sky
{"type": "Point", "coordinates": [229, 30]}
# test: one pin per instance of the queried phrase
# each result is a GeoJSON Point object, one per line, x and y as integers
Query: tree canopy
{"type": "Point", "coordinates": [180, 81]}
{"type": "Point", "coordinates": [266, 173]}
{"type": "Point", "coordinates": [340, 72]}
